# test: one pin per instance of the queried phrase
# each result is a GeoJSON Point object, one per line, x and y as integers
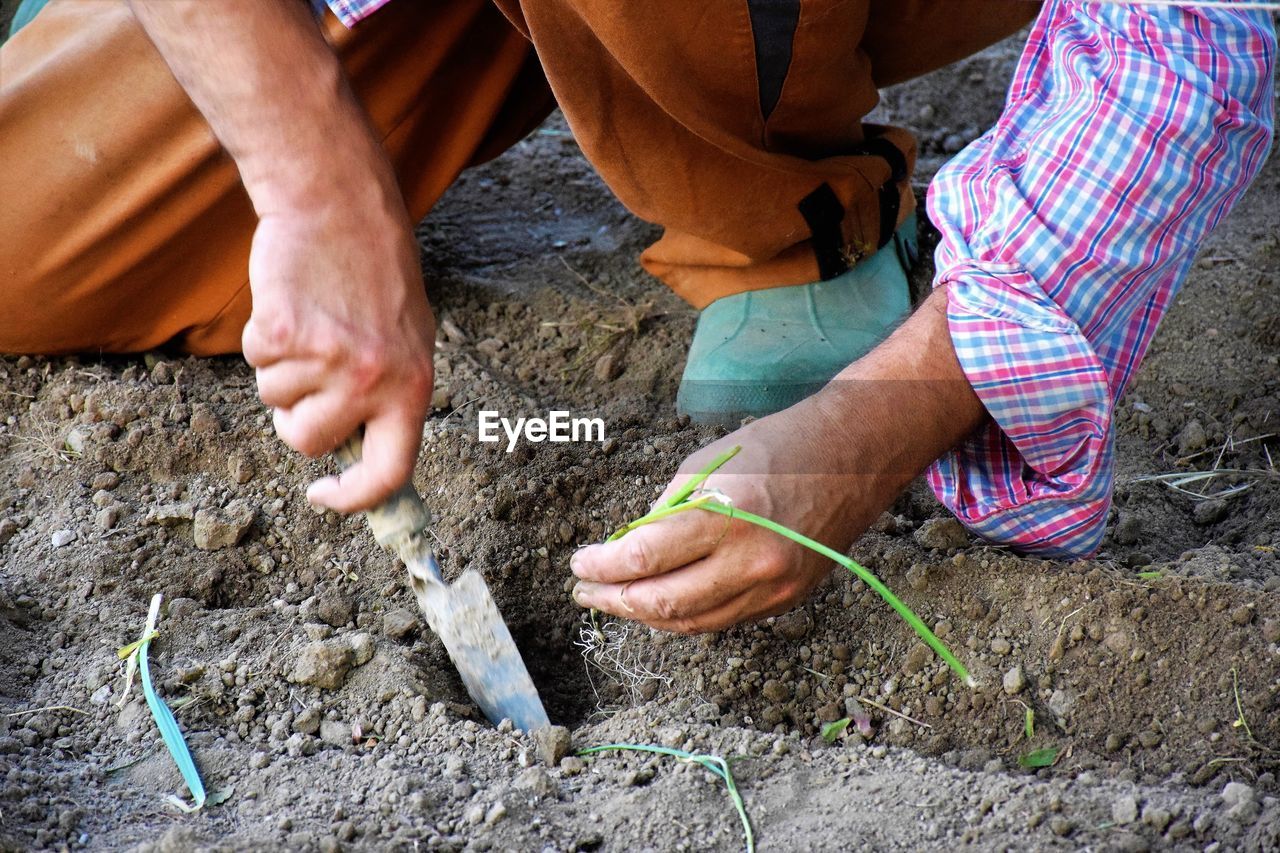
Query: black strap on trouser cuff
{"type": "Point", "coordinates": [825, 216]}
{"type": "Point", "coordinates": [824, 213]}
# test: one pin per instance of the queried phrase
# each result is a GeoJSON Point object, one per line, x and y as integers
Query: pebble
{"type": "Point", "coordinates": [108, 517]}
{"type": "Point", "coordinates": [62, 538]}
{"type": "Point", "coordinates": [203, 420]}
{"type": "Point", "coordinates": [259, 760]}
{"type": "Point", "coordinates": [609, 366]}
{"type": "Point", "coordinates": [335, 609]}
{"type": "Point", "coordinates": [1124, 810]}
{"type": "Point", "coordinates": [1061, 827]}
{"type": "Point", "coordinates": [1241, 802]}
{"type": "Point", "coordinates": [1001, 646]}
{"type": "Point", "coordinates": [1270, 627]}
{"type": "Point", "coordinates": [572, 765]}
{"type": "Point", "coordinates": [496, 812]}
{"type": "Point", "coordinates": [793, 626]}
{"type": "Point", "coordinates": [1062, 702]}
{"type": "Point", "coordinates": [1210, 512]}
{"type": "Point", "coordinates": [1242, 615]}
{"type": "Point", "coordinates": [536, 782]}
{"type": "Point", "coordinates": [222, 528]}
{"type": "Point", "coordinates": [917, 658]}
{"type": "Point", "coordinates": [1156, 817]}
{"type": "Point", "coordinates": [167, 515]}
{"type": "Point", "coordinates": [8, 527]}
{"type": "Point", "coordinates": [1015, 680]}
{"type": "Point", "coordinates": [399, 624]}
{"type": "Point", "coordinates": [362, 647]}
{"type": "Point", "coordinates": [1192, 438]}
{"type": "Point", "coordinates": [324, 665]}
{"type": "Point", "coordinates": [240, 468]}
{"type": "Point", "coordinates": [942, 533]}
{"type": "Point", "coordinates": [105, 481]}
{"type": "Point", "coordinates": [553, 743]}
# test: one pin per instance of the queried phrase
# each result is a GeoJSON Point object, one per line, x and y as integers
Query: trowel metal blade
{"type": "Point", "coordinates": [466, 619]}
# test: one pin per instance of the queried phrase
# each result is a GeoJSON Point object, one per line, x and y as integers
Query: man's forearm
{"type": "Point", "coordinates": [904, 404]}
{"type": "Point", "coordinates": [274, 94]}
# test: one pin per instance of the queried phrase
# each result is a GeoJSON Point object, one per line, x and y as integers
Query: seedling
{"type": "Point", "coordinates": [1038, 758]}
{"type": "Point", "coordinates": [684, 499]}
{"type": "Point", "coordinates": [1240, 721]}
{"type": "Point", "coordinates": [714, 763]}
{"type": "Point", "coordinates": [136, 654]}
{"type": "Point", "coordinates": [832, 731]}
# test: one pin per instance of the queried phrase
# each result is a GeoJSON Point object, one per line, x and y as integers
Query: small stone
{"type": "Point", "coordinates": [8, 527]}
{"type": "Point", "coordinates": [105, 481]}
{"type": "Point", "coordinates": [324, 665]}
{"type": "Point", "coordinates": [572, 765]}
{"type": "Point", "coordinates": [943, 533]}
{"type": "Point", "coordinates": [399, 624]}
{"type": "Point", "coordinates": [362, 648]}
{"type": "Point", "coordinates": [108, 517]}
{"type": "Point", "coordinates": [918, 657]}
{"type": "Point", "coordinates": [1242, 615]}
{"type": "Point", "coordinates": [1062, 703]}
{"type": "Point", "coordinates": [1061, 827]}
{"type": "Point", "coordinates": [1015, 680]}
{"type": "Point", "coordinates": [203, 420]}
{"type": "Point", "coordinates": [918, 577]}
{"type": "Point", "coordinates": [62, 538]}
{"type": "Point", "coordinates": [441, 399]}
{"type": "Point", "coordinates": [554, 744]}
{"type": "Point", "coordinates": [167, 515]}
{"type": "Point", "coordinates": [1210, 512]}
{"type": "Point", "coordinates": [1270, 627]}
{"type": "Point", "coordinates": [793, 626]}
{"type": "Point", "coordinates": [1115, 742]}
{"type": "Point", "coordinates": [307, 721]}
{"type": "Point", "coordinates": [334, 732]}
{"type": "Point", "coordinates": [536, 782]}
{"type": "Point", "coordinates": [1241, 802]}
{"type": "Point", "coordinates": [1001, 646]}
{"type": "Point", "coordinates": [259, 760]}
{"type": "Point", "coordinates": [496, 812]}
{"type": "Point", "coordinates": [335, 609]}
{"type": "Point", "coordinates": [76, 440]}
{"type": "Point", "coordinates": [775, 691]}
{"type": "Point", "coordinates": [1124, 810]}
{"type": "Point", "coordinates": [1156, 817]}
{"type": "Point", "coordinates": [491, 347]}
{"type": "Point", "coordinates": [1150, 739]}
{"type": "Point", "coordinates": [1192, 438]}
{"type": "Point", "coordinates": [240, 468]}
{"type": "Point", "coordinates": [222, 528]}
{"type": "Point", "coordinates": [162, 373]}
{"type": "Point", "coordinates": [610, 365]}
{"type": "Point", "coordinates": [317, 631]}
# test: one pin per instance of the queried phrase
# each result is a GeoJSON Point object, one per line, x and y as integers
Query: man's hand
{"type": "Point", "coordinates": [341, 336]}
{"type": "Point", "coordinates": [341, 333]}
{"type": "Point", "coordinates": [826, 467]}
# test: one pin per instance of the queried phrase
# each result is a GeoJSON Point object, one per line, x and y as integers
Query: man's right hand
{"type": "Point", "coordinates": [341, 333]}
{"type": "Point", "coordinates": [341, 336]}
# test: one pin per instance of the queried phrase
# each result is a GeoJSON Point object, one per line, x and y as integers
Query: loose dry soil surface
{"type": "Point", "coordinates": [1153, 670]}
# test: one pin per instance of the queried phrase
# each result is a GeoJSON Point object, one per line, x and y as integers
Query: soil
{"type": "Point", "coordinates": [1153, 670]}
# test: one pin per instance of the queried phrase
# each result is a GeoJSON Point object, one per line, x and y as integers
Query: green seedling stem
{"type": "Point", "coordinates": [714, 502]}
{"type": "Point", "coordinates": [136, 654]}
{"type": "Point", "coordinates": [714, 763]}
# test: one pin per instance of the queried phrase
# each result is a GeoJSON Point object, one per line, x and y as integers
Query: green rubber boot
{"type": "Point", "coordinates": [759, 352]}
{"type": "Point", "coordinates": [27, 10]}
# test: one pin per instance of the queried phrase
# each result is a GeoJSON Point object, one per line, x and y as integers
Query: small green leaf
{"type": "Point", "coordinates": [1029, 724]}
{"type": "Point", "coordinates": [1150, 576]}
{"type": "Point", "coordinates": [1039, 758]}
{"type": "Point", "coordinates": [831, 731]}
{"type": "Point", "coordinates": [220, 796]}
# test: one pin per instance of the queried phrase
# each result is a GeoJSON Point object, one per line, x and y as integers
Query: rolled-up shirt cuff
{"type": "Point", "coordinates": [1038, 476]}
{"type": "Point", "coordinates": [351, 12]}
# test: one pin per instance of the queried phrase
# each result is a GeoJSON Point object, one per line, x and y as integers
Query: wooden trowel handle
{"type": "Point", "coordinates": [402, 518]}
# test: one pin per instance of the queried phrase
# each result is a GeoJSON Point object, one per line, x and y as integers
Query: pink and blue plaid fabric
{"type": "Point", "coordinates": [351, 11]}
{"type": "Point", "coordinates": [1067, 229]}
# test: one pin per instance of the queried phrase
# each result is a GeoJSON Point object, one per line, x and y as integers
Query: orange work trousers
{"type": "Point", "coordinates": [736, 126]}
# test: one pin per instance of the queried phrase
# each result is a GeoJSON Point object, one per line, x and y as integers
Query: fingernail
{"type": "Point", "coordinates": [580, 595]}
{"type": "Point", "coordinates": [575, 560]}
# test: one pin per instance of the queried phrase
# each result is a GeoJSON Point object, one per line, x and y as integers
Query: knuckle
{"type": "Point", "coordinates": [637, 555]}
{"type": "Point", "coordinates": [666, 609]}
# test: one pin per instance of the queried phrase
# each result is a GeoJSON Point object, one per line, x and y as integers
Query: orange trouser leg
{"type": "Point", "coordinates": [124, 226]}
{"type": "Point", "coordinates": [738, 126]}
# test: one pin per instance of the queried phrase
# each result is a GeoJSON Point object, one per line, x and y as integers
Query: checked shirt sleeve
{"type": "Point", "coordinates": [1067, 229]}
{"type": "Point", "coordinates": [351, 12]}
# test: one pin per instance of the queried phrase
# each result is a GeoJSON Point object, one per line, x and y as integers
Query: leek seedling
{"type": "Point", "coordinates": [684, 499]}
{"type": "Point", "coordinates": [714, 763]}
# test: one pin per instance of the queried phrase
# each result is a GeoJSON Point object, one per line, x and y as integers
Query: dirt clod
{"type": "Point", "coordinates": [222, 528]}
{"type": "Point", "coordinates": [554, 743]}
{"type": "Point", "coordinates": [942, 533]}
{"type": "Point", "coordinates": [324, 664]}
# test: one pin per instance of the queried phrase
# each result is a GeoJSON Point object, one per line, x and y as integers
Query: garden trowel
{"type": "Point", "coordinates": [462, 614]}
